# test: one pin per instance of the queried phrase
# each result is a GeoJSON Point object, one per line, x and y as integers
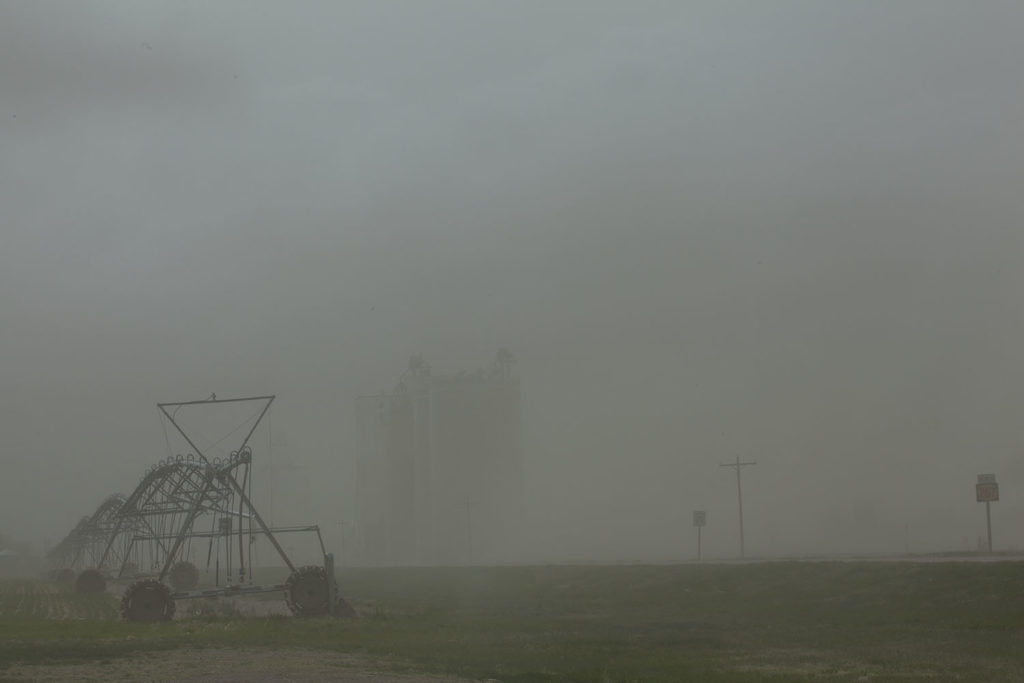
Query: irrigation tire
{"type": "Point", "coordinates": [183, 576]}
{"type": "Point", "coordinates": [90, 581]}
{"type": "Point", "coordinates": [146, 601]}
{"type": "Point", "coordinates": [305, 591]}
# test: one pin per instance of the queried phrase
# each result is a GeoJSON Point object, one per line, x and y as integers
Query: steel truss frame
{"type": "Point", "coordinates": [155, 525]}
{"type": "Point", "coordinates": [85, 544]}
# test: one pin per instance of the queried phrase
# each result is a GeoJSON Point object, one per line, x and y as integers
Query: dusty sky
{"type": "Point", "coordinates": [789, 231]}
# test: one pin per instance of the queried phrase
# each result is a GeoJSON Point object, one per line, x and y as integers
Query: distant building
{"type": "Point", "coordinates": [439, 467]}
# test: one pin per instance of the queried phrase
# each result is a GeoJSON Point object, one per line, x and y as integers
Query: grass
{"type": "Point", "coordinates": [772, 621]}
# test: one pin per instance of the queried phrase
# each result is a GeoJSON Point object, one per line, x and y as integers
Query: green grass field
{"type": "Point", "coordinates": [752, 622]}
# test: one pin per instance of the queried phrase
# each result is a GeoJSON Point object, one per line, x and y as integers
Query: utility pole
{"type": "Point", "coordinates": [739, 493]}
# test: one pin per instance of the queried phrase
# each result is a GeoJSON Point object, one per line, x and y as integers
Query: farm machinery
{"type": "Point", "coordinates": [181, 502]}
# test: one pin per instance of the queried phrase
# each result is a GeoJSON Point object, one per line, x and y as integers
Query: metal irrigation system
{"type": "Point", "coordinates": [186, 504]}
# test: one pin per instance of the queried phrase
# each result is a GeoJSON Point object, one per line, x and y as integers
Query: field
{"type": "Point", "coordinates": [751, 622]}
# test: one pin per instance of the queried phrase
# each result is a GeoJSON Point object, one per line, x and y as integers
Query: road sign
{"type": "Point", "coordinates": [700, 518]}
{"type": "Point", "coordinates": [987, 492]}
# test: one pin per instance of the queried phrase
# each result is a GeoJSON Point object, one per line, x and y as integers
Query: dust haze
{"type": "Point", "coordinates": [787, 231]}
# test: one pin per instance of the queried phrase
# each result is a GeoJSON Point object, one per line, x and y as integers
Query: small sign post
{"type": "Point", "coordinates": [700, 518]}
{"type": "Point", "coordinates": [987, 492]}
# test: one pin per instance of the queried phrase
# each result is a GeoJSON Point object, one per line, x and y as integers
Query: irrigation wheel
{"type": "Point", "coordinates": [90, 581]}
{"type": "Point", "coordinates": [306, 593]}
{"type": "Point", "coordinates": [183, 576]}
{"type": "Point", "coordinates": [147, 600]}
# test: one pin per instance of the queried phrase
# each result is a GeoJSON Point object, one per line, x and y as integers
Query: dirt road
{"type": "Point", "coordinates": [226, 666]}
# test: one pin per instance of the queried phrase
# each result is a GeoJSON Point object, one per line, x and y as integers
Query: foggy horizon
{"type": "Point", "coordinates": [785, 232]}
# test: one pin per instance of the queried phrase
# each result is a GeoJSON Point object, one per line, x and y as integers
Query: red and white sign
{"type": "Point", "coordinates": [988, 492]}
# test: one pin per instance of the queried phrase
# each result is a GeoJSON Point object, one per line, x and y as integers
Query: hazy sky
{"type": "Point", "coordinates": [790, 231]}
